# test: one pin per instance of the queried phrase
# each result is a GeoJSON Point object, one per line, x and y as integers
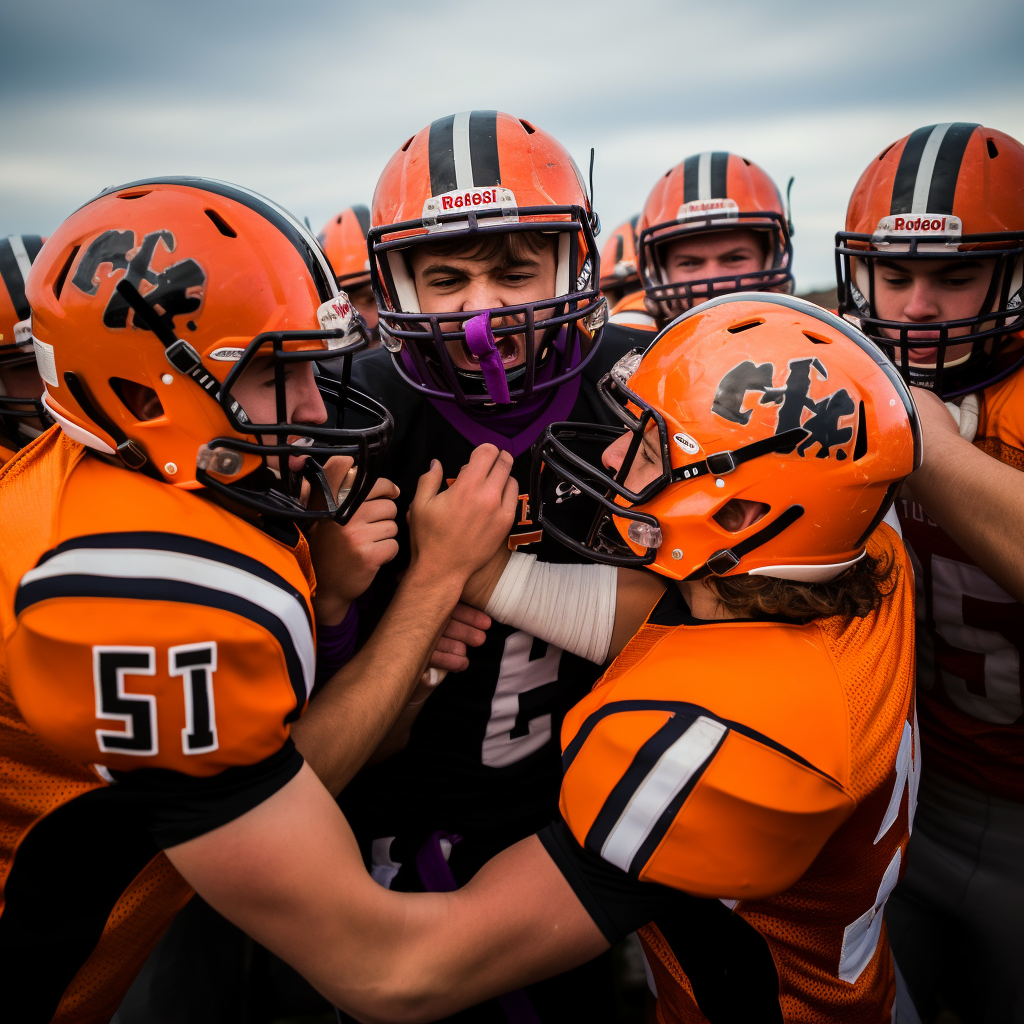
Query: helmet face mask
{"type": "Point", "coordinates": [220, 279]}
{"type": "Point", "coordinates": [22, 413]}
{"type": "Point", "coordinates": [465, 181]}
{"type": "Point", "coordinates": [948, 373]}
{"type": "Point", "coordinates": [945, 194]}
{"type": "Point", "coordinates": [670, 298]}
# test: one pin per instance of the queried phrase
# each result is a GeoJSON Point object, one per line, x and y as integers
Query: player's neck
{"type": "Point", "coordinates": [703, 603]}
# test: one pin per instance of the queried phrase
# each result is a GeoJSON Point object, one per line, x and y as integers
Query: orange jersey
{"type": "Point", "coordinates": [971, 632]}
{"type": "Point", "coordinates": [150, 639]}
{"type": "Point", "coordinates": [631, 311]}
{"type": "Point", "coordinates": [769, 767]}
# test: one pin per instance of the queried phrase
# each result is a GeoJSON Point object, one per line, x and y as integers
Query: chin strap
{"type": "Point", "coordinates": [480, 342]}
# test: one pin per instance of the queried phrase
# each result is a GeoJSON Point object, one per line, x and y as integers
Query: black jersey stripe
{"type": "Point", "coordinates": [719, 175]}
{"type": "Point", "coordinates": [441, 155]}
{"type": "Point", "coordinates": [947, 167]}
{"type": "Point", "coordinates": [906, 171]}
{"type": "Point", "coordinates": [678, 708]}
{"type": "Point", "coordinates": [10, 271]}
{"type": "Point", "coordinates": [483, 147]}
{"type": "Point", "coordinates": [155, 589]}
{"type": "Point", "coordinates": [362, 214]}
{"type": "Point", "coordinates": [691, 178]}
{"type": "Point", "coordinates": [152, 540]}
{"type": "Point", "coordinates": [640, 767]}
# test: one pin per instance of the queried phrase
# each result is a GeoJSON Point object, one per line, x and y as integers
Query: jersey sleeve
{"type": "Point", "coordinates": [668, 793]}
{"type": "Point", "coordinates": [166, 661]}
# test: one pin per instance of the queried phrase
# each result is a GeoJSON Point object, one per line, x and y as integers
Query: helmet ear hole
{"type": "Point", "coordinates": [139, 399]}
{"type": "Point", "coordinates": [739, 513]}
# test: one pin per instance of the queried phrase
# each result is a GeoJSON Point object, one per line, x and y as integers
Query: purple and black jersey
{"type": "Point", "coordinates": [483, 759]}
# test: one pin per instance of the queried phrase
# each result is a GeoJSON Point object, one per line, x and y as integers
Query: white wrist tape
{"type": "Point", "coordinates": [570, 606]}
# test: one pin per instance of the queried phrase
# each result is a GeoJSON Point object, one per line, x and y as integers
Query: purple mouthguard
{"type": "Point", "coordinates": [480, 341]}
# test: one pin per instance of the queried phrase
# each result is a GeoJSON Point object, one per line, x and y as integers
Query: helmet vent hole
{"type": "Point", "coordinates": [134, 195]}
{"type": "Point", "coordinates": [408, 143]}
{"type": "Point", "coordinates": [992, 151]}
{"type": "Point", "coordinates": [860, 449]}
{"type": "Point", "coordinates": [58, 284]}
{"type": "Point", "coordinates": [816, 339]}
{"type": "Point", "coordinates": [745, 327]}
{"type": "Point", "coordinates": [139, 399]}
{"type": "Point", "coordinates": [529, 127]}
{"type": "Point", "coordinates": [881, 156]}
{"type": "Point", "coordinates": [745, 160]}
{"type": "Point", "coordinates": [221, 224]}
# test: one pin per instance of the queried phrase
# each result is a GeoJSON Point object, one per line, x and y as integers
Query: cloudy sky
{"type": "Point", "coordinates": [305, 100]}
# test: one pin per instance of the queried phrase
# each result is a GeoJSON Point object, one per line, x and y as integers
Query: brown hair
{"type": "Point", "coordinates": [854, 594]}
{"type": "Point", "coordinates": [508, 248]}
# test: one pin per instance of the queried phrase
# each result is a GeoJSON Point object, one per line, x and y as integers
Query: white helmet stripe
{"type": "Point", "coordinates": [704, 176]}
{"type": "Point", "coordinates": [926, 168]}
{"type": "Point", "coordinates": [461, 150]}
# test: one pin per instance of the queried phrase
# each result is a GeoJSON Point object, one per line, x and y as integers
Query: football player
{"type": "Point", "coordinates": [157, 597]}
{"type": "Point", "coordinates": [619, 276]}
{"type": "Point", "coordinates": [930, 265]}
{"type": "Point", "coordinates": [741, 782]}
{"type": "Point", "coordinates": [22, 415]}
{"type": "Point", "coordinates": [485, 268]}
{"type": "Point", "coordinates": [713, 224]}
{"type": "Point", "coordinates": [343, 238]}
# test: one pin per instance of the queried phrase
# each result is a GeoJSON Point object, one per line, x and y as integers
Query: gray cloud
{"type": "Point", "coordinates": [306, 101]}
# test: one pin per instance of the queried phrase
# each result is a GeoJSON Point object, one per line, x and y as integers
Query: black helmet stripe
{"type": "Point", "coordinates": [926, 177]}
{"type": "Point", "coordinates": [462, 151]}
{"type": "Point", "coordinates": [619, 246]}
{"type": "Point", "coordinates": [704, 176]}
{"type": "Point", "coordinates": [441, 156]}
{"type": "Point", "coordinates": [16, 255]}
{"type": "Point", "coordinates": [483, 147]}
{"type": "Point", "coordinates": [363, 216]}
{"type": "Point", "coordinates": [289, 225]}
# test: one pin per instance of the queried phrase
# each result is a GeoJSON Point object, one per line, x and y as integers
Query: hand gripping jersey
{"type": "Point", "coordinates": [155, 649]}
{"type": "Point", "coordinates": [971, 632]}
{"type": "Point", "coordinates": [768, 768]}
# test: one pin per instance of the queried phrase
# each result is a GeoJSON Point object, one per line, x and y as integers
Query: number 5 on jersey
{"type": "Point", "coordinates": [136, 712]}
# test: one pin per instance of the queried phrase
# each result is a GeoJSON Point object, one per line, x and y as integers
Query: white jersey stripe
{"type": "Point", "coordinates": [145, 563]}
{"type": "Point", "coordinates": [461, 151]}
{"type": "Point", "coordinates": [704, 176]}
{"type": "Point", "coordinates": [670, 774]}
{"type": "Point", "coordinates": [926, 168]}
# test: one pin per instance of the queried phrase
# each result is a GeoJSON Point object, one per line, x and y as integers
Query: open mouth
{"type": "Point", "coordinates": [507, 349]}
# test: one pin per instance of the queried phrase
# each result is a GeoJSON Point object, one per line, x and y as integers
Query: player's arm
{"type": "Point", "coordinates": [452, 532]}
{"type": "Point", "coordinates": [976, 499]}
{"type": "Point", "coordinates": [289, 873]}
{"type": "Point", "coordinates": [591, 610]}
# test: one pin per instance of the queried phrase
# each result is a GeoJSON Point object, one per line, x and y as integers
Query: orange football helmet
{"type": "Point", "coordinates": [343, 238]}
{"type": "Point", "coordinates": [467, 176]}
{"type": "Point", "coordinates": [619, 276]}
{"type": "Point", "coordinates": [763, 397]}
{"type": "Point", "coordinates": [18, 408]}
{"type": "Point", "coordinates": [945, 192]}
{"type": "Point", "coordinates": [712, 192]}
{"type": "Point", "coordinates": [177, 285]}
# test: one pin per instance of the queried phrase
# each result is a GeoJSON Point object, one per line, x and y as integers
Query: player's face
{"type": "Point", "coordinates": [923, 292]}
{"type": "Point", "coordinates": [256, 392]}
{"type": "Point", "coordinates": [716, 254]}
{"type": "Point", "coordinates": [646, 467]}
{"type": "Point", "coordinates": [448, 284]}
{"type": "Point", "coordinates": [23, 380]}
{"type": "Point", "coordinates": [365, 303]}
